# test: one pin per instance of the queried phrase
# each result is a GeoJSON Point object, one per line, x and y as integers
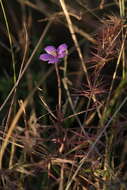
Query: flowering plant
{"type": "Point", "coordinates": [53, 55]}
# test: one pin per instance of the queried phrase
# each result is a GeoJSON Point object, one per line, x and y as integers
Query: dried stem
{"type": "Point", "coordinates": [72, 31]}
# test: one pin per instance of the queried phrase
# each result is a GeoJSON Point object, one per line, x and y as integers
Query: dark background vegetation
{"type": "Point", "coordinates": [43, 152]}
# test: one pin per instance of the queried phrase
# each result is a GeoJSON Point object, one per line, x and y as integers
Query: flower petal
{"type": "Point", "coordinates": [53, 60]}
{"type": "Point", "coordinates": [62, 50]}
{"type": "Point", "coordinates": [51, 50]}
{"type": "Point", "coordinates": [45, 57]}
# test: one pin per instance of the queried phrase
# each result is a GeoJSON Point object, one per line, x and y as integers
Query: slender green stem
{"type": "Point", "coordinates": [59, 86]}
{"type": "Point", "coordinates": [10, 39]}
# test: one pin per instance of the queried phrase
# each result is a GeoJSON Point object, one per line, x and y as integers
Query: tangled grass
{"type": "Point", "coordinates": [64, 125]}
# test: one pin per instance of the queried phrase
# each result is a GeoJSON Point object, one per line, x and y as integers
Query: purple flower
{"type": "Point", "coordinates": [54, 55]}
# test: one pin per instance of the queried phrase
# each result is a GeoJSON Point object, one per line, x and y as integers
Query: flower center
{"type": "Point", "coordinates": [53, 53]}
